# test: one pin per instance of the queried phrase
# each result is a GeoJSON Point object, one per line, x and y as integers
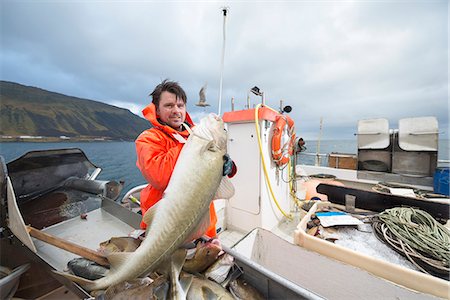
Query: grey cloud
{"type": "Point", "coordinates": [340, 61]}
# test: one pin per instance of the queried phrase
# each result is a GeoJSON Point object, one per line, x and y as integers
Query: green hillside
{"type": "Point", "coordinates": [32, 111]}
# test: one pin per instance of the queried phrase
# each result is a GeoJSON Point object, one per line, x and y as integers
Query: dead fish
{"type": "Point", "coordinates": [183, 213]}
{"type": "Point", "coordinates": [172, 269]}
{"type": "Point", "coordinates": [205, 255]}
{"type": "Point", "coordinates": [206, 289]}
{"type": "Point", "coordinates": [119, 244]}
{"type": "Point", "coordinates": [141, 288]}
{"type": "Point", "coordinates": [4, 271]}
{"type": "Point", "coordinates": [313, 231]}
{"type": "Point", "coordinates": [87, 268]}
{"type": "Point", "coordinates": [161, 291]}
{"type": "Point", "coordinates": [241, 290]}
{"type": "Point", "coordinates": [179, 287]}
{"type": "Point", "coordinates": [220, 269]}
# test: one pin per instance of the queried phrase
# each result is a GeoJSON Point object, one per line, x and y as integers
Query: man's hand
{"type": "Point", "coordinates": [229, 167]}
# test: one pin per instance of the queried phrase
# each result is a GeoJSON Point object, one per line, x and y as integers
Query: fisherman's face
{"type": "Point", "coordinates": [171, 110]}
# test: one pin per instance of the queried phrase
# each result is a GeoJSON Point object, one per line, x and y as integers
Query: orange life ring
{"type": "Point", "coordinates": [281, 153]}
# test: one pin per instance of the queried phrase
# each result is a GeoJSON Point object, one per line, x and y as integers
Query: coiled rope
{"type": "Point", "coordinates": [418, 236]}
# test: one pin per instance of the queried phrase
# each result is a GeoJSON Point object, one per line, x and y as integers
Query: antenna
{"type": "Point", "coordinates": [317, 163]}
{"type": "Point", "coordinates": [224, 11]}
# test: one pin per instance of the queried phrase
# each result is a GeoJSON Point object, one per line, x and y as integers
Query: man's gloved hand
{"type": "Point", "coordinates": [229, 167]}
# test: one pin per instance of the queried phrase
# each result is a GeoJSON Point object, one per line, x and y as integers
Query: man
{"type": "Point", "coordinates": [158, 148]}
{"type": "Point", "coordinates": [299, 147]}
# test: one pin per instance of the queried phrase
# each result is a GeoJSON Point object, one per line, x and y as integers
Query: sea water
{"type": "Point", "coordinates": [118, 159]}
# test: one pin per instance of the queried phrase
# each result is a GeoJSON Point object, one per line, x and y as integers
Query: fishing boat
{"type": "Point", "coordinates": [263, 225]}
{"type": "Point", "coordinates": [54, 210]}
{"type": "Point", "coordinates": [265, 221]}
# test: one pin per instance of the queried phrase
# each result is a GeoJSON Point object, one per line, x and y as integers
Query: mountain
{"type": "Point", "coordinates": [33, 111]}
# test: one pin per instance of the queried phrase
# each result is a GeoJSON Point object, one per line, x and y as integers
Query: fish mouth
{"type": "Point", "coordinates": [216, 117]}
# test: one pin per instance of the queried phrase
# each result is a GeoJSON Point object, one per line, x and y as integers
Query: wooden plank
{"type": "Point", "coordinates": [68, 246]}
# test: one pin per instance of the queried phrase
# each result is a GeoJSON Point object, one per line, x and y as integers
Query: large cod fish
{"type": "Point", "coordinates": [183, 213]}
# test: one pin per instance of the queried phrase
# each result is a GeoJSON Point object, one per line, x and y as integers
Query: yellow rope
{"type": "Point", "coordinates": [266, 175]}
{"type": "Point", "coordinates": [291, 187]}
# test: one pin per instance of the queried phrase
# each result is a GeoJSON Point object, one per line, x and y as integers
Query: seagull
{"type": "Point", "coordinates": [202, 101]}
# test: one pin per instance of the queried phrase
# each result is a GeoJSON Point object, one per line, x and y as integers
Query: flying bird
{"type": "Point", "coordinates": [202, 100]}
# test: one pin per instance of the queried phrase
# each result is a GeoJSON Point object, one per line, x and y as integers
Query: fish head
{"type": "Point", "coordinates": [208, 251]}
{"type": "Point", "coordinates": [212, 128]}
{"type": "Point", "coordinates": [107, 244]}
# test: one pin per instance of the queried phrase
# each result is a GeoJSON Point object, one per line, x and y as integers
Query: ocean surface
{"type": "Point", "coordinates": [118, 159]}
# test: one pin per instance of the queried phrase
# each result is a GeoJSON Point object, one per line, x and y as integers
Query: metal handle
{"type": "Point", "coordinates": [368, 133]}
{"type": "Point", "coordinates": [424, 133]}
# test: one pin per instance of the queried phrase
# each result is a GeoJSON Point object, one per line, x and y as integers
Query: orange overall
{"type": "Point", "coordinates": [157, 152]}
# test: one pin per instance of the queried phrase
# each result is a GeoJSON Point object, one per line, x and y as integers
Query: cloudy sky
{"type": "Point", "coordinates": [339, 60]}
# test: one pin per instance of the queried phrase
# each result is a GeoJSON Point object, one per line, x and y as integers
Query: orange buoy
{"type": "Point", "coordinates": [281, 153]}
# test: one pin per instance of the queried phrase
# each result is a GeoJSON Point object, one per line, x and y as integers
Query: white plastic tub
{"type": "Point", "coordinates": [408, 278]}
{"type": "Point", "coordinates": [326, 277]}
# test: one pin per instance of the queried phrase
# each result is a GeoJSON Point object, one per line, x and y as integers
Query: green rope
{"type": "Point", "coordinates": [417, 234]}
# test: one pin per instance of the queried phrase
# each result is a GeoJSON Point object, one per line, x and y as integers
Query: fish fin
{"type": "Point", "coordinates": [80, 280]}
{"type": "Point", "coordinates": [161, 291]}
{"type": "Point", "coordinates": [185, 282]}
{"type": "Point", "coordinates": [208, 293]}
{"type": "Point", "coordinates": [199, 246]}
{"type": "Point", "coordinates": [150, 214]}
{"type": "Point", "coordinates": [164, 267]}
{"type": "Point", "coordinates": [117, 259]}
{"type": "Point", "coordinates": [178, 258]}
{"type": "Point", "coordinates": [201, 228]}
{"type": "Point", "coordinates": [211, 146]}
{"type": "Point", "coordinates": [176, 264]}
{"type": "Point", "coordinates": [225, 190]}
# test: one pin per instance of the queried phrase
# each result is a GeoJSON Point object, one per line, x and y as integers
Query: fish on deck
{"type": "Point", "coordinates": [221, 268]}
{"type": "Point", "coordinates": [202, 288]}
{"type": "Point", "coordinates": [241, 290]}
{"type": "Point", "coordinates": [136, 289]}
{"type": "Point", "coordinates": [87, 268]}
{"type": "Point", "coordinates": [119, 244]}
{"type": "Point", "coordinates": [205, 255]}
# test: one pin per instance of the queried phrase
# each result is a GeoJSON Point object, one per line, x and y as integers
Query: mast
{"type": "Point", "coordinates": [318, 143]}
{"type": "Point", "coordinates": [224, 11]}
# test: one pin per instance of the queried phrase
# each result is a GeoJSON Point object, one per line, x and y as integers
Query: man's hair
{"type": "Point", "coordinates": [168, 86]}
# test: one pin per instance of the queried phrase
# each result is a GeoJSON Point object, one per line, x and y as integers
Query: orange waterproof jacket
{"type": "Point", "coordinates": [157, 152]}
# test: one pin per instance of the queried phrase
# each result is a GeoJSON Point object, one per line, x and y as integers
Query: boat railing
{"type": "Point", "coordinates": [315, 159]}
{"type": "Point", "coordinates": [443, 162]}
{"type": "Point", "coordinates": [322, 159]}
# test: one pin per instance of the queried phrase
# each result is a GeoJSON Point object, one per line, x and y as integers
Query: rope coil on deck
{"type": "Point", "coordinates": [417, 235]}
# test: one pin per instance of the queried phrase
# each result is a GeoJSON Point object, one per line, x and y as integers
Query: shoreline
{"type": "Point", "coordinates": [60, 140]}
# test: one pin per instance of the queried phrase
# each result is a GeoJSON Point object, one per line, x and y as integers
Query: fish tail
{"type": "Point", "coordinates": [85, 283]}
